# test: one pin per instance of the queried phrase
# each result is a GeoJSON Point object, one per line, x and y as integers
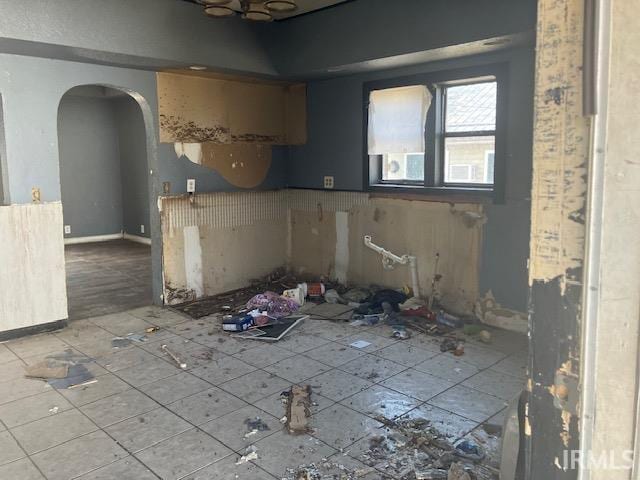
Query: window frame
{"type": "Point", "coordinates": [433, 183]}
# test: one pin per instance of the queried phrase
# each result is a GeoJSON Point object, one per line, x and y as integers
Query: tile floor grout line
{"type": "Point", "coordinates": [27, 456]}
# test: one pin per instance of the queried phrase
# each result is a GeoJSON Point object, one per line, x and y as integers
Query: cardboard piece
{"type": "Point", "coordinates": [299, 409]}
{"type": "Point", "coordinates": [47, 369]}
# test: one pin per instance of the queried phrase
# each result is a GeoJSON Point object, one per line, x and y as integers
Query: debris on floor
{"type": "Point", "coordinates": [122, 342]}
{"type": "Point", "coordinates": [255, 425]}
{"type": "Point", "coordinates": [412, 448]}
{"type": "Point", "coordinates": [326, 471]}
{"type": "Point", "coordinates": [62, 371]}
{"type": "Point", "coordinates": [251, 454]}
{"type": "Point", "coordinates": [298, 409]}
{"type": "Point", "coordinates": [47, 369]}
{"type": "Point", "coordinates": [174, 356]}
{"type": "Point", "coordinates": [492, 313]}
{"type": "Point", "coordinates": [360, 344]}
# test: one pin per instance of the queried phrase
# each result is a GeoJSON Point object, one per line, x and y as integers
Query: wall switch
{"type": "Point", "coordinates": [191, 185]}
{"type": "Point", "coordinates": [141, 228]}
{"type": "Point", "coordinates": [67, 229]}
{"type": "Point", "coordinates": [328, 182]}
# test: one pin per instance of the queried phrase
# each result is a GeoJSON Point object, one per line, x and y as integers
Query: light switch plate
{"type": "Point", "coordinates": [328, 182]}
{"type": "Point", "coordinates": [67, 229]}
{"type": "Point", "coordinates": [141, 228]}
{"type": "Point", "coordinates": [191, 185]}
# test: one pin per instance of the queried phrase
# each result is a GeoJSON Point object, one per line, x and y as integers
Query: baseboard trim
{"type": "Point", "coordinates": [108, 238]}
{"type": "Point", "coordinates": [32, 330]}
{"type": "Point", "coordinates": [136, 238]}
{"type": "Point", "coordinates": [93, 239]}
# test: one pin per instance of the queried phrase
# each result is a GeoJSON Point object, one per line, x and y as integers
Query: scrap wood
{"type": "Point", "coordinates": [47, 369]}
{"type": "Point", "coordinates": [299, 409]}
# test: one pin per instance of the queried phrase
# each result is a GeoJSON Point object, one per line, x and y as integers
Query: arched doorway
{"type": "Point", "coordinates": [104, 179]}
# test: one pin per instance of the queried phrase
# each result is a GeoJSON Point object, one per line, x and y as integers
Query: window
{"type": "Point", "coordinates": [437, 133]}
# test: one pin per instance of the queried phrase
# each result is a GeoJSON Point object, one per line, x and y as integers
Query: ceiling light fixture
{"type": "Point", "coordinates": [281, 5]}
{"type": "Point", "coordinates": [256, 10]}
{"type": "Point", "coordinates": [219, 11]}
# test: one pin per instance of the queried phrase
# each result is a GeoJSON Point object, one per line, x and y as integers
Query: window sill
{"type": "Point", "coordinates": [433, 194]}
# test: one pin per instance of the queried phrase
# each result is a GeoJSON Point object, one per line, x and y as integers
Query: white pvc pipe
{"type": "Point", "coordinates": [388, 259]}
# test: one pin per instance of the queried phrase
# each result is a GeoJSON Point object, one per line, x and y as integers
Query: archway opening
{"type": "Point", "coordinates": [104, 179]}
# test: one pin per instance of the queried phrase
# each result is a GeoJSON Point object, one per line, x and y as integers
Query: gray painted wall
{"type": "Point", "coordinates": [335, 148]}
{"type": "Point", "coordinates": [90, 166]}
{"type": "Point", "coordinates": [134, 173]}
{"type": "Point", "coordinates": [150, 34]}
{"type": "Point", "coordinates": [32, 89]}
{"type": "Point", "coordinates": [355, 33]}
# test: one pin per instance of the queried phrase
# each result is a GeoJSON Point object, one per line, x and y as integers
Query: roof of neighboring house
{"type": "Point", "coordinates": [471, 107]}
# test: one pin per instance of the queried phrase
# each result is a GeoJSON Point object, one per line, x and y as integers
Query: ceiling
{"type": "Point", "coordinates": [304, 6]}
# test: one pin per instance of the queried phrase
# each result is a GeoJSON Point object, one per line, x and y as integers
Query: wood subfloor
{"type": "Point", "coordinates": [107, 277]}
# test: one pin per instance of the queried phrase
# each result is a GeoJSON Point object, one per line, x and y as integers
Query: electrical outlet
{"type": "Point", "coordinates": [141, 228]}
{"type": "Point", "coordinates": [191, 185]}
{"type": "Point", "coordinates": [67, 229]}
{"type": "Point", "coordinates": [328, 182]}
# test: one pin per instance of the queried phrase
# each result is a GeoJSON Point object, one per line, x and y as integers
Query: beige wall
{"type": "Point", "coordinates": [32, 284]}
{"type": "Point", "coordinates": [223, 240]}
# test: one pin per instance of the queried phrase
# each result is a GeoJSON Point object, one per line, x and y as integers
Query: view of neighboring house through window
{"type": "Point", "coordinates": [469, 133]}
{"type": "Point", "coordinates": [436, 131]}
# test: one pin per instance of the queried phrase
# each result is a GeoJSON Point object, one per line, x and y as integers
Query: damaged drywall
{"type": "Point", "coordinates": [216, 242]}
{"type": "Point", "coordinates": [32, 286]}
{"type": "Point", "coordinates": [559, 185]}
{"type": "Point", "coordinates": [326, 236]}
{"type": "Point", "coordinates": [230, 238]}
{"type": "Point", "coordinates": [201, 109]}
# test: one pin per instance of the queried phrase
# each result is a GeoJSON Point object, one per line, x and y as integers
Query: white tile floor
{"type": "Point", "coordinates": [145, 419]}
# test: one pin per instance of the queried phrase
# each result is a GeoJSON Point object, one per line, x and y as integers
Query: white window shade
{"type": "Point", "coordinates": [397, 119]}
